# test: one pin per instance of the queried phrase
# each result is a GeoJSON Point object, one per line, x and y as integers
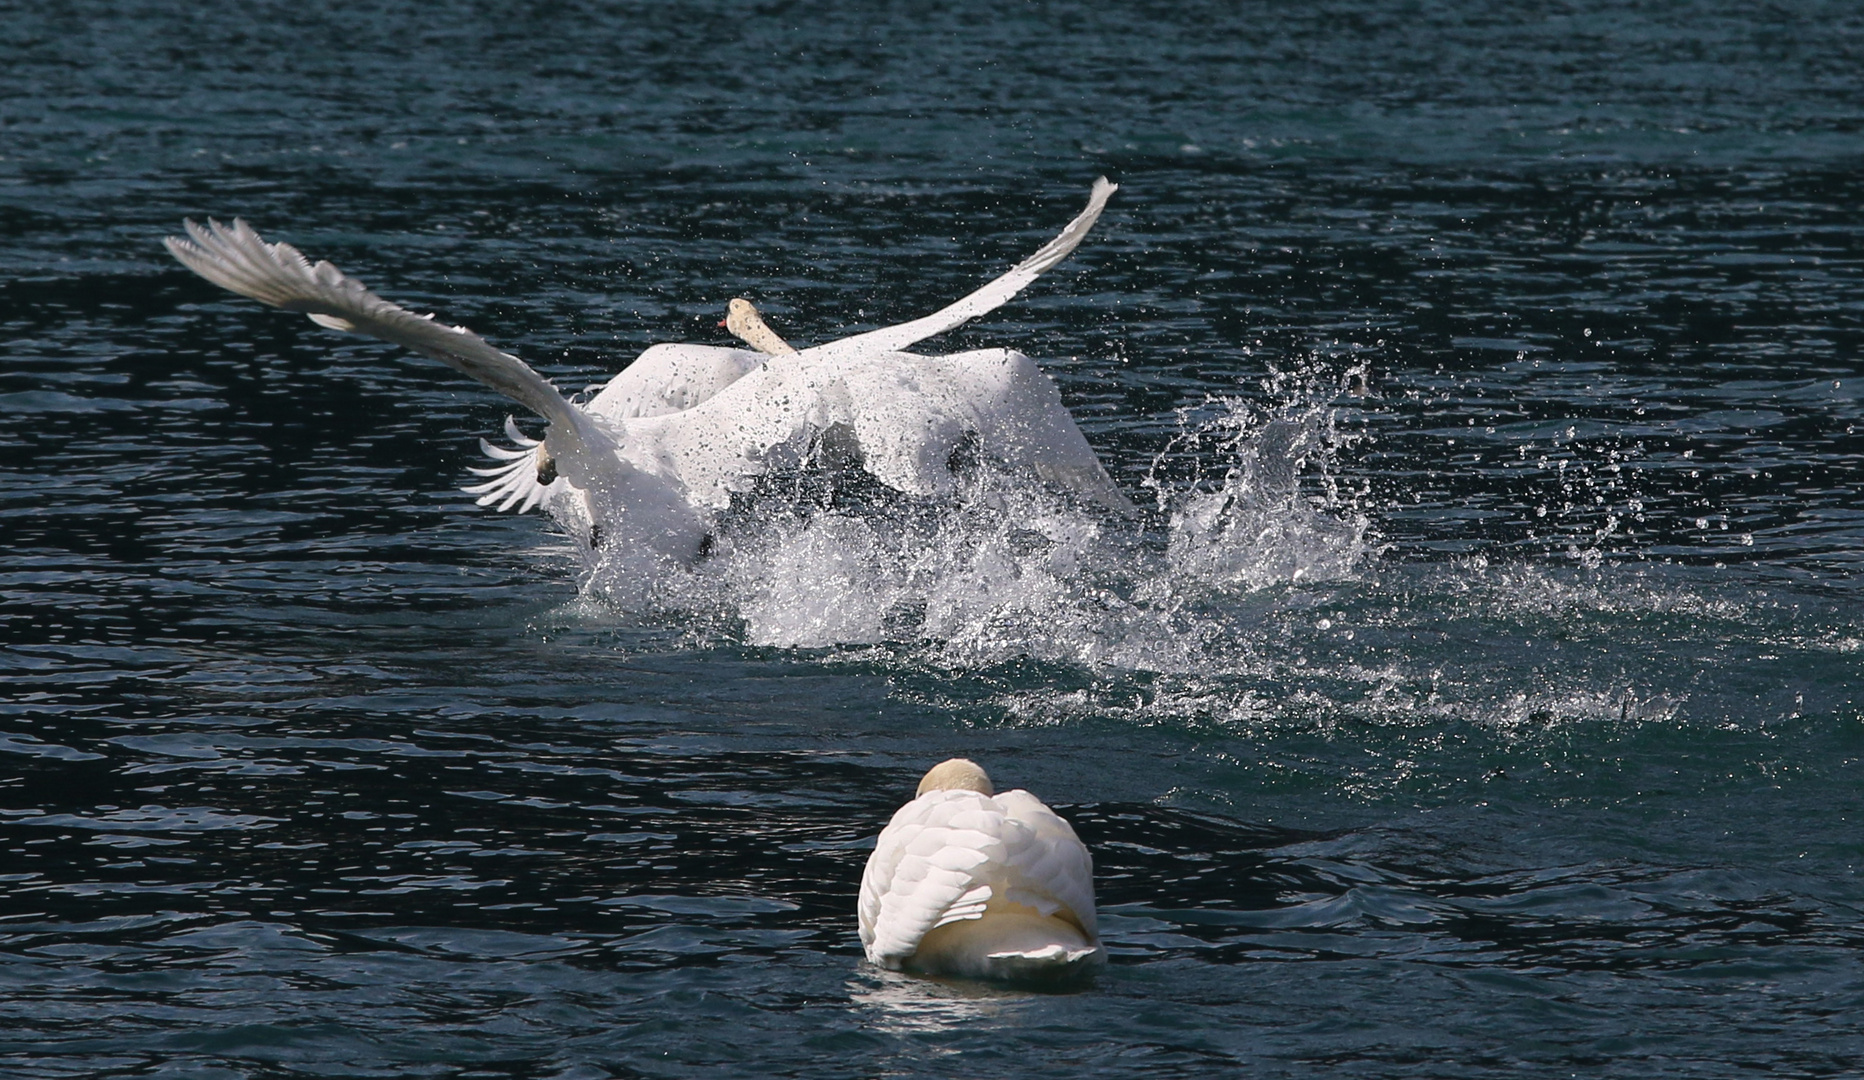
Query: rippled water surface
{"type": "Point", "coordinates": [1476, 694]}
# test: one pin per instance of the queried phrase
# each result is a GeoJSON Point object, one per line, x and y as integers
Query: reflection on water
{"type": "Point", "coordinates": [907, 1005]}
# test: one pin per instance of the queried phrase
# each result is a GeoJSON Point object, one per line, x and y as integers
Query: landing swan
{"type": "Point", "coordinates": [963, 882]}
{"type": "Point", "coordinates": [646, 462]}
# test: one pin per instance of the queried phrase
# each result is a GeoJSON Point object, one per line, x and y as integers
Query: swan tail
{"type": "Point", "coordinates": [984, 300]}
{"type": "Point", "coordinates": [1007, 943]}
{"type": "Point", "coordinates": [1051, 962]}
{"type": "Point", "coordinates": [237, 259]}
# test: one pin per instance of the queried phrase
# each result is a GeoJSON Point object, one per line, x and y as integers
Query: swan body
{"type": "Point", "coordinates": [664, 445]}
{"type": "Point", "coordinates": [968, 883]}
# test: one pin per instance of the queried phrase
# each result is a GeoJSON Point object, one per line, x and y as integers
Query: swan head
{"type": "Point", "coordinates": [745, 324]}
{"type": "Point", "coordinates": [739, 314]}
{"type": "Point", "coordinates": [958, 774]}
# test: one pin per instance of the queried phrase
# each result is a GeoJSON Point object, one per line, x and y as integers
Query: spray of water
{"type": "Point", "coordinates": [1243, 598]}
{"type": "Point", "coordinates": [1258, 524]}
{"type": "Point", "coordinates": [1006, 568]}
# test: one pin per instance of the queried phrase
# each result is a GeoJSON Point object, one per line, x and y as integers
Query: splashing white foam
{"type": "Point", "coordinates": [1258, 527]}
{"type": "Point", "coordinates": [1006, 567]}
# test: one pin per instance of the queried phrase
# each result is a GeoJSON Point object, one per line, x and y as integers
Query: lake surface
{"type": "Point", "coordinates": [1477, 695]}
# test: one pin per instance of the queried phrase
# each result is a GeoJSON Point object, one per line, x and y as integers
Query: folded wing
{"type": "Point", "coordinates": [926, 860]}
{"type": "Point", "coordinates": [1046, 866]}
{"type": "Point", "coordinates": [948, 855]}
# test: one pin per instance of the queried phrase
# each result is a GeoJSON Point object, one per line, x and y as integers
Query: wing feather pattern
{"type": "Point", "coordinates": [513, 480]}
{"type": "Point", "coordinates": [236, 258]}
{"type": "Point", "coordinates": [642, 511]}
{"type": "Point", "coordinates": [945, 856]}
{"type": "Point", "coordinates": [1048, 867]}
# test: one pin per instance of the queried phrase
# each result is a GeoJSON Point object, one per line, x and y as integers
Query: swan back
{"type": "Point", "coordinates": [668, 379]}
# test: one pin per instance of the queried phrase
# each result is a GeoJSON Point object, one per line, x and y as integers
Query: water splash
{"type": "Point", "coordinates": [1259, 525]}
{"type": "Point", "coordinates": [1007, 568]}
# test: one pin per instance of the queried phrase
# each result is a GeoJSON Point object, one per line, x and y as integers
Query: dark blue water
{"type": "Point", "coordinates": [1502, 718]}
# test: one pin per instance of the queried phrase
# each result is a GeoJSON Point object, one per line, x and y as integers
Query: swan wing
{"type": "Point", "coordinates": [1044, 864]}
{"type": "Point", "coordinates": [513, 482]}
{"type": "Point", "coordinates": [986, 299]}
{"type": "Point", "coordinates": [925, 871]}
{"type": "Point", "coordinates": [658, 522]}
{"type": "Point", "coordinates": [672, 378]}
{"type": "Point", "coordinates": [236, 258]}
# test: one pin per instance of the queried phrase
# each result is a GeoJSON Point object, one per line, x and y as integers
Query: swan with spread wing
{"type": "Point", "coordinates": [650, 459]}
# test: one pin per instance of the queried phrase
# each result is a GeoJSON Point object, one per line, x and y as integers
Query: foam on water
{"type": "Point", "coordinates": [1007, 568]}
{"type": "Point", "coordinates": [1248, 597]}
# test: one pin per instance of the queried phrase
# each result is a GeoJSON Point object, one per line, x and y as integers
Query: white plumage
{"type": "Point", "coordinates": [966, 883]}
{"type": "Point", "coordinates": [667, 442]}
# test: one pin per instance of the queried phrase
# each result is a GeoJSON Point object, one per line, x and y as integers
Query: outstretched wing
{"type": "Point", "coordinates": [236, 258]}
{"type": "Point", "coordinates": [988, 298]}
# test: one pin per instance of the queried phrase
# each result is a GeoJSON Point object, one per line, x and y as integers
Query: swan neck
{"type": "Point", "coordinates": [761, 337]}
{"type": "Point", "coordinates": [744, 322]}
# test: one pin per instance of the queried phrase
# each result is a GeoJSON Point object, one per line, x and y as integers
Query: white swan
{"type": "Point", "coordinates": [963, 882]}
{"type": "Point", "coordinates": [667, 442]}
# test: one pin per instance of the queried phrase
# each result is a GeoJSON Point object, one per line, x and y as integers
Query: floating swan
{"type": "Point", "coordinates": [644, 465]}
{"type": "Point", "coordinates": [963, 882]}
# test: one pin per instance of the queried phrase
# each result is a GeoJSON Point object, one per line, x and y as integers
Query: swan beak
{"type": "Point", "coordinates": [722, 322]}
